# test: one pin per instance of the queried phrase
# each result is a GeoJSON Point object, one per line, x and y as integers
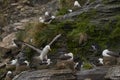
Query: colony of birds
{"type": "Point", "coordinates": [19, 63]}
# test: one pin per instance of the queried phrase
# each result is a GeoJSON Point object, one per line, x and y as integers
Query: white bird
{"type": "Point", "coordinates": [76, 4]}
{"type": "Point", "coordinates": [9, 72]}
{"type": "Point", "coordinates": [68, 57]}
{"type": "Point", "coordinates": [48, 61]}
{"type": "Point", "coordinates": [100, 60]}
{"type": "Point", "coordinates": [26, 62]}
{"type": "Point", "coordinates": [14, 62]}
{"type": "Point", "coordinates": [105, 53]}
{"type": "Point", "coordinates": [52, 17]}
{"type": "Point", "coordinates": [108, 53]}
{"type": "Point", "coordinates": [9, 75]}
{"type": "Point", "coordinates": [70, 10]}
{"type": "Point", "coordinates": [46, 13]}
{"type": "Point", "coordinates": [44, 52]}
{"type": "Point", "coordinates": [41, 20]}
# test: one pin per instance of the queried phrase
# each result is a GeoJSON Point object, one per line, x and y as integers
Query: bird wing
{"type": "Point", "coordinates": [54, 39]}
{"type": "Point", "coordinates": [30, 46]}
{"type": "Point", "coordinates": [33, 47]}
{"type": "Point", "coordinates": [114, 54]}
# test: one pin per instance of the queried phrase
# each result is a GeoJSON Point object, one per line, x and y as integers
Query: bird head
{"type": "Point", "coordinates": [46, 13]}
{"type": "Point", "coordinates": [53, 17]}
{"type": "Point", "coordinates": [101, 60]}
{"type": "Point", "coordinates": [9, 72]}
{"type": "Point", "coordinates": [48, 61]}
{"type": "Point", "coordinates": [26, 62]}
{"type": "Point", "coordinates": [70, 54]}
{"type": "Point", "coordinates": [48, 47]}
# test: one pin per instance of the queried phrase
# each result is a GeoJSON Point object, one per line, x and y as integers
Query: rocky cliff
{"type": "Point", "coordinates": [96, 22]}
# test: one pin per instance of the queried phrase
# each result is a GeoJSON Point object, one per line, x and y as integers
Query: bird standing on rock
{"type": "Point", "coordinates": [110, 57]}
{"type": "Point", "coordinates": [9, 75]}
{"type": "Point", "coordinates": [108, 53]}
{"type": "Point", "coordinates": [22, 66]}
{"type": "Point", "coordinates": [77, 4]}
{"type": "Point", "coordinates": [67, 56]}
{"type": "Point", "coordinates": [11, 65]}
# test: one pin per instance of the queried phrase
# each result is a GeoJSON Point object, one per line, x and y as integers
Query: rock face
{"type": "Point", "coordinates": [65, 74]}
{"type": "Point", "coordinates": [46, 75]}
{"type": "Point", "coordinates": [113, 73]}
{"type": "Point", "coordinates": [93, 74]}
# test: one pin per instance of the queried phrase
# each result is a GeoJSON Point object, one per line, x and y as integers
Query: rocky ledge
{"type": "Point", "coordinates": [97, 73]}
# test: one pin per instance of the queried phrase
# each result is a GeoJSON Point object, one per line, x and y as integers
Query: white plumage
{"type": "Point", "coordinates": [41, 20]}
{"type": "Point", "coordinates": [71, 55]}
{"type": "Point", "coordinates": [101, 60]}
{"type": "Point", "coordinates": [9, 72]}
{"type": "Point", "coordinates": [76, 3]}
{"type": "Point", "coordinates": [46, 13]}
{"type": "Point", "coordinates": [44, 52]}
{"type": "Point", "coordinates": [105, 53]}
{"type": "Point", "coordinates": [26, 62]}
{"type": "Point", "coordinates": [14, 62]}
{"type": "Point", "coordinates": [70, 10]}
{"type": "Point", "coordinates": [52, 17]}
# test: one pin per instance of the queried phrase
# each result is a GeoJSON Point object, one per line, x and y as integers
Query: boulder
{"type": "Point", "coordinates": [46, 74]}
{"type": "Point", "coordinates": [113, 73]}
{"type": "Point", "coordinates": [92, 74]}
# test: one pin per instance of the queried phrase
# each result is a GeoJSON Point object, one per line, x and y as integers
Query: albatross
{"type": "Point", "coordinates": [9, 75]}
{"type": "Point", "coordinates": [77, 4]}
{"type": "Point", "coordinates": [67, 56]}
{"type": "Point", "coordinates": [44, 51]}
{"type": "Point", "coordinates": [108, 53]}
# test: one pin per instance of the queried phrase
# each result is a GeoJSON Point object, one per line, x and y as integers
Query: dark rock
{"type": "Point", "coordinates": [113, 73]}
{"type": "Point", "coordinates": [93, 74]}
{"type": "Point", "coordinates": [46, 75]}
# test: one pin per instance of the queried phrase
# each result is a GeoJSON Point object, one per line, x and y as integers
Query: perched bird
{"type": "Point", "coordinates": [46, 62]}
{"type": "Point", "coordinates": [41, 20]}
{"type": "Point", "coordinates": [78, 63]}
{"type": "Point", "coordinates": [108, 53]}
{"type": "Point", "coordinates": [9, 75]}
{"type": "Point", "coordinates": [46, 13]}
{"type": "Point", "coordinates": [70, 10]}
{"type": "Point", "coordinates": [68, 56]}
{"type": "Point", "coordinates": [11, 65]}
{"type": "Point", "coordinates": [46, 20]}
{"type": "Point", "coordinates": [77, 4]}
{"type": "Point", "coordinates": [22, 66]}
{"type": "Point", "coordinates": [27, 62]}
{"type": "Point", "coordinates": [14, 62]}
{"type": "Point", "coordinates": [101, 60]}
